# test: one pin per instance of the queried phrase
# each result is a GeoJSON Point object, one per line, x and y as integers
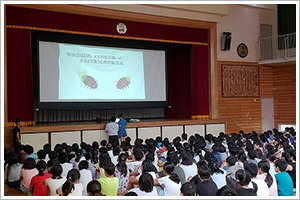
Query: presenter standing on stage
{"type": "Point", "coordinates": [17, 136]}
{"type": "Point", "coordinates": [112, 129]}
{"type": "Point", "coordinates": [122, 128]}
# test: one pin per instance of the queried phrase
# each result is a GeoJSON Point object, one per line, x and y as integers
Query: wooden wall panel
{"type": "Point", "coordinates": [285, 95]}
{"type": "Point", "coordinates": [277, 82]}
{"type": "Point", "coordinates": [244, 112]}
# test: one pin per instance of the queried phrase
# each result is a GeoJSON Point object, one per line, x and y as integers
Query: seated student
{"type": "Point", "coordinates": [146, 167]}
{"type": "Point", "coordinates": [242, 161]}
{"type": "Point", "coordinates": [183, 138]}
{"type": "Point", "coordinates": [215, 150]}
{"type": "Point", "coordinates": [27, 173]}
{"type": "Point", "coordinates": [284, 181]}
{"type": "Point", "coordinates": [272, 159]}
{"type": "Point", "coordinates": [292, 172]}
{"type": "Point", "coordinates": [88, 158]}
{"type": "Point", "coordinates": [63, 160]}
{"type": "Point", "coordinates": [94, 188]}
{"type": "Point", "coordinates": [151, 156]}
{"type": "Point", "coordinates": [159, 142]}
{"type": "Point", "coordinates": [145, 187]}
{"type": "Point", "coordinates": [172, 157]}
{"type": "Point", "coordinates": [26, 150]}
{"type": "Point", "coordinates": [226, 191]}
{"type": "Point", "coordinates": [230, 163]}
{"type": "Point", "coordinates": [222, 152]}
{"type": "Point", "coordinates": [170, 182]}
{"type": "Point", "coordinates": [76, 160]}
{"type": "Point", "coordinates": [71, 187]}
{"type": "Point", "coordinates": [53, 155]}
{"type": "Point", "coordinates": [12, 171]}
{"type": "Point", "coordinates": [37, 188]}
{"type": "Point", "coordinates": [243, 178]}
{"type": "Point", "coordinates": [218, 175]}
{"type": "Point", "coordinates": [83, 146]}
{"type": "Point", "coordinates": [103, 160]}
{"type": "Point", "coordinates": [206, 186]}
{"type": "Point", "coordinates": [47, 150]}
{"type": "Point", "coordinates": [41, 154]}
{"type": "Point", "coordinates": [55, 181]}
{"type": "Point", "coordinates": [262, 188]}
{"type": "Point", "coordinates": [122, 172]}
{"type": "Point", "coordinates": [136, 163]}
{"type": "Point", "coordinates": [263, 174]}
{"type": "Point", "coordinates": [252, 156]}
{"type": "Point", "coordinates": [188, 189]}
{"type": "Point", "coordinates": [109, 184]}
{"type": "Point", "coordinates": [50, 163]}
{"type": "Point", "coordinates": [116, 152]}
{"type": "Point", "coordinates": [85, 175]}
{"type": "Point", "coordinates": [189, 168]}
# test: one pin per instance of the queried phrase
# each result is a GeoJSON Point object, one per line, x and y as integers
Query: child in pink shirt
{"type": "Point", "coordinates": [28, 171]}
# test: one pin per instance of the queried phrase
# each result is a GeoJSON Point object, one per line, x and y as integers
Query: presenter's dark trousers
{"type": "Point", "coordinates": [113, 139]}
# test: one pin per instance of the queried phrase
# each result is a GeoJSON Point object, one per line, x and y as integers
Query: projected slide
{"type": "Point", "coordinates": [87, 72]}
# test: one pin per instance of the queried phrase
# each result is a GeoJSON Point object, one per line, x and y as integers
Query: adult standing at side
{"type": "Point", "coordinates": [112, 129]}
{"type": "Point", "coordinates": [122, 128]}
{"type": "Point", "coordinates": [17, 136]}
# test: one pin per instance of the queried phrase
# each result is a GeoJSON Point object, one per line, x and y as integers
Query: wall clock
{"type": "Point", "coordinates": [242, 50]}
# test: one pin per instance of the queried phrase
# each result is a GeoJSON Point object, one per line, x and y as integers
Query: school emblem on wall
{"type": "Point", "coordinates": [121, 28]}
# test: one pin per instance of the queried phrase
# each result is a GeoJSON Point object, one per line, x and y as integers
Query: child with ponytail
{"type": "Point", "coordinates": [37, 188]}
{"type": "Point", "coordinates": [55, 181]}
{"type": "Point", "coordinates": [76, 160]}
{"type": "Point", "coordinates": [122, 172]}
{"type": "Point", "coordinates": [170, 182]}
{"type": "Point", "coordinates": [263, 174]}
{"type": "Point", "coordinates": [71, 187]}
{"type": "Point", "coordinates": [243, 178]}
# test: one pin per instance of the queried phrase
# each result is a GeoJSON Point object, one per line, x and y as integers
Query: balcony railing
{"type": "Point", "coordinates": [281, 47]}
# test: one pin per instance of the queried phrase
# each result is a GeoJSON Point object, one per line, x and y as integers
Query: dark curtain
{"type": "Point", "coordinates": [19, 76]}
{"type": "Point", "coordinates": [286, 19]}
{"type": "Point", "coordinates": [179, 83]}
{"type": "Point", "coordinates": [199, 80]}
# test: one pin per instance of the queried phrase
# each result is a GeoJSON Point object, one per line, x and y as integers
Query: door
{"type": "Point", "coordinates": [267, 112]}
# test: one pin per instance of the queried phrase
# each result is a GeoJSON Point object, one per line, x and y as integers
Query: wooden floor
{"type": "Point", "coordinates": [12, 192]}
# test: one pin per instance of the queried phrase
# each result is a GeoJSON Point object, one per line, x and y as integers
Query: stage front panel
{"type": "Point", "coordinates": [36, 140]}
{"type": "Point", "coordinates": [145, 133]}
{"type": "Point", "coordinates": [171, 132]}
{"type": "Point", "coordinates": [131, 132]}
{"type": "Point", "coordinates": [68, 137]}
{"type": "Point", "coordinates": [90, 136]}
{"type": "Point", "coordinates": [193, 129]}
{"type": "Point", "coordinates": [215, 129]}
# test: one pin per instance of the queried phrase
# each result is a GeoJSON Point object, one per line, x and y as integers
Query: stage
{"type": "Point", "coordinates": [88, 132]}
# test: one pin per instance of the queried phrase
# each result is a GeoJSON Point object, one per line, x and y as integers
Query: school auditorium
{"type": "Point", "coordinates": [210, 90]}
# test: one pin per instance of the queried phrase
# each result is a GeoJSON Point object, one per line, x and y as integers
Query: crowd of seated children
{"type": "Point", "coordinates": [243, 164]}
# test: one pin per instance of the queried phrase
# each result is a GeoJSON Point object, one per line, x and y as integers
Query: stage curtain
{"type": "Point", "coordinates": [179, 82]}
{"type": "Point", "coordinates": [19, 76]}
{"type": "Point", "coordinates": [91, 24]}
{"type": "Point", "coordinates": [199, 80]}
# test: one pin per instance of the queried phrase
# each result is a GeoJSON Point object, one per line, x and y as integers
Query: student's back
{"type": "Point", "coordinates": [284, 184]}
{"type": "Point", "coordinates": [284, 180]}
{"type": "Point", "coordinates": [110, 184]}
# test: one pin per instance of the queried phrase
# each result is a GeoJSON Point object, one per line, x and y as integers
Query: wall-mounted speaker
{"type": "Point", "coordinates": [225, 41]}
